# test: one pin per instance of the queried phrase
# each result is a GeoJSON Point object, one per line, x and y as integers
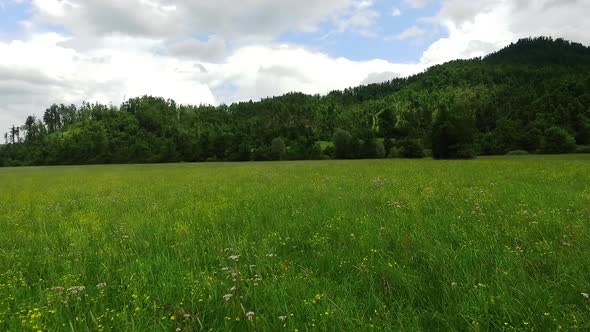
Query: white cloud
{"type": "Point", "coordinates": [41, 71]}
{"type": "Point", "coordinates": [359, 18]}
{"type": "Point", "coordinates": [213, 49]}
{"type": "Point", "coordinates": [44, 70]}
{"type": "Point", "coordinates": [395, 12]}
{"type": "Point", "coordinates": [260, 71]}
{"type": "Point", "coordinates": [249, 19]}
{"type": "Point", "coordinates": [418, 3]}
{"type": "Point", "coordinates": [478, 27]}
{"type": "Point", "coordinates": [361, 21]}
{"type": "Point", "coordinates": [379, 77]}
{"type": "Point", "coordinates": [410, 33]}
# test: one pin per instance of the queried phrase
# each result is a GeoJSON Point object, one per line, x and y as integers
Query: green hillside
{"type": "Point", "coordinates": [533, 96]}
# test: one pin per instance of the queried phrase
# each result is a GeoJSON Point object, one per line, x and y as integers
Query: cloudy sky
{"type": "Point", "coordinates": [220, 51]}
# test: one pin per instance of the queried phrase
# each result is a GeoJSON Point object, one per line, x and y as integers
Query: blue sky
{"type": "Point", "coordinates": [11, 14]}
{"type": "Point", "coordinates": [394, 18]}
{"type": "Point", "coordinates": [356, 46]}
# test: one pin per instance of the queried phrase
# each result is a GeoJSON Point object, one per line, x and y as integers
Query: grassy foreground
{"type": "Point", "coordinates": [491, 244]}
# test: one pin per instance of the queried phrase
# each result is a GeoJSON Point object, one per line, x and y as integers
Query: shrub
{"type": "Point", "coordinates": [278, 149]}
{"type": "Point", "coordinates": [583, 149]}
{"type": "Point", "coordinates": [380, 149]}
{"type": "Point", "coordinates": [453, 134]}
{"type": "Point", "coordinates": [297, 150]}
{"type": "Point", "coordinates": [329, 151]}
{"type": "Point", "coordinates": [411, 148]}
{"type": "Point", "coordinates": [517, 153]}
{"type": "Point", "coordinates": [314, 152]}
{"type": "Point", "coordinates": [262, 153]}
{"type": "Point", "coordinates": [343, 144]}
{"type": "Point", "coordinates": [393, 153]}
{"type": "Point", "coordinates": [241, 153]}
{"type": "Point", "coordinates": [388, 144]}
{"type": "Point", "coordinates": [488, 144]}
{"type": "Point", "coordinates": [368, 148]}
{"type": "Point", "coordinates": [558, 140]}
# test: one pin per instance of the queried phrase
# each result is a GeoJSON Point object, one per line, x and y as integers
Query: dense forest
{"type": "Point", "coordinates": [530, 97]}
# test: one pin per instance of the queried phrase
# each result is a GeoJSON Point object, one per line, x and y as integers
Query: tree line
{"type": "Point", "coordinates": [531, 97]}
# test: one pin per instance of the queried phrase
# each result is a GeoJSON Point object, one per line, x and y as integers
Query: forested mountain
{"type": "Point", "coordinates": [533, 95]}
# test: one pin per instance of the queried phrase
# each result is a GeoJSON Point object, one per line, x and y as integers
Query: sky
{"type": "Point", "coordinates": [222, 51]}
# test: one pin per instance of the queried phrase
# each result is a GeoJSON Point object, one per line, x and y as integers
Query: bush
{"type": "Point", "coordinates": [393, 153]}
{"type": "Point", "coordinates": [488, 144]}
{"type": "Point", "coordinates": [380, 149]}
{"type": "Point", "coordinates": [411, 148]}
{"type": "Point", "coordinates": [558, 140]}
{"type": "Point", "coordinates": [344, 145]}
{"type": "Point", "coordinates": [368, 148]}
{"type": "Point", "coordinates": [297, 150]}
{"type": "Point", "coordinates": [262, 153]}
{"type": "Point", "coordinates": [278, 149]}
{"type": "Point", "coordinates": [314, 152]}
{"type": "Point", "coordinates": [329, 151]}
{"type": "Point", "coordinates": [453, 134]}
{"type": "Point", "coordinates": [517, 153]}
{"type": "Point", "coordinates": [242, 153]}
{"type": "Point", "coordinates": [388, 144]}
{"type": "Point", "coordinates": [583, 149]}
{"type": "Point", "coordinates": [427, 153]}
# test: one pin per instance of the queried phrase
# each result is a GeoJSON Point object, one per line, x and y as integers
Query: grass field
{"type": "Point", "coordinates": [490, 244]}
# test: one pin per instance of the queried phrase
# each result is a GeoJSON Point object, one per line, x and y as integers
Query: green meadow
{"type": "Point", "coordinates": [500, 243]}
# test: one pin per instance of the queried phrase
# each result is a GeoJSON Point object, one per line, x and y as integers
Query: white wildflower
{"type": "Point", "coordinates": [250, 315]}
{"type": "Point", "coordinates": [75, 290]}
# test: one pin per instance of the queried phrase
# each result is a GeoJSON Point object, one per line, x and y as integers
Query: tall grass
{"type": "Point", "coordinates": [492, 244]}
